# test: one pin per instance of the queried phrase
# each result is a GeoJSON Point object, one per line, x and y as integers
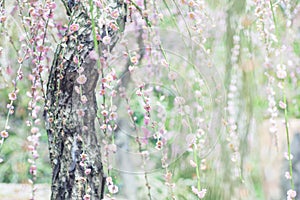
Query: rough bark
{"type": "Point", "coordinates": [69, 135]}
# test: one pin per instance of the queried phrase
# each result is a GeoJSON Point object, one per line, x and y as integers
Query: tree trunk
{"type": "Point", "coordinates": [74, 150]}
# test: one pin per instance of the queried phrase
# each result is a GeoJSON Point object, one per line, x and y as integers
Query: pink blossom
{"type": "Point", "coordinates": [147, 107]}
{"type": "Point", "coordinates": [113, 26]}
{"type": "Point", "coordinates": [4, 134]}
{"type": "Point", "coordinates": [146, 120]}
{"type": "Point", "coordinates": [192, 163]}
{"type": "Point", "coordinates": [291, 193]}
{"type": "Point", "coordinates": [112, 148]}
{"type": "Point", "coordinates": [83, 99]}
{"type": "Point", "coordinates": [98, 37]}
{"type": "Point", "coordinates": [109, 181]}
{"type": "Point", "coordinates": [103, 126]}
{"type": "Point", "coordinates": [131, 68]}
{"type": "Point", "coordinates": [168, 177]}
{"type": "Point", "coordinates": [2, 19]}
{"type": "Point", "coordinates": [281, 74]}
{"type": "Point", "coordinates": [30, 147]}
{"type": "Point", "coordinates": [114, 14]}
{"type": "Point", "coordinates": [87, 171]}
{"type": "Point", "coordinates": [106, 40]}
{"type": "Point", "coordinates": [287, 175]}
{"type": "Point", "coordinates": [81, 79]}
{"type": "Point", "coordinates": [80, 113]}
{"type": "Point", "coordinates": [282, 105]}
{"type": "Point", "coordinates": [113, 116]}
{"type": "Point", "coordinates": [32, 169]}
{"type": "Point", "coordinates": [75, 59]}
{"type": "Point", "coordinates": [134, 60]}
{"type": "Point", "coordinates": [113, 189]}
{"type": "Point", "coordinates": [12, 96]}
{"type": "Point", "coordinates": [104, 113]}
{"type": "Point", "coordinates": [74, 27]}
{"type": "Point", "coordinates": [286, 155]}
{"type": "Point", "coordinates": [34, 130]}
{"type": "Point", "coordinates": [93, 55]}
{"type": "Point", "coordinates": [52, 5]}
{"type": "Point", "coordinates": [87, 197]}
{"type": "Point", "coordinates": [159, 145]}
{"type": "Point", "coordinates": [98, 4]}
{"type": "Point", "coordinates": [191, 15]}
{"type": "Point", "coordinates": [201, 194]}
{"type": "Point", "coordinates": [83, 156]}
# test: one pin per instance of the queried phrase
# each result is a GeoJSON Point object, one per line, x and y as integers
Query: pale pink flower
{"type": "Point", "coordinates": [32, 169]}
{"type": "Point", "coordinates": [98, 4]}
{"type": "Point", "coordinates": [52, 5]}
{"type": "Point", "coordinates": [98, 37]}
{"type": "Point", "coordinates": [104, 113]}
{"type": "Point", "coordinates": [194, 190]}
{"type": "Point", "coordinates": [4, 134]}
{"type": "Point", "coordinates": [282, 105]}
{"type": "Point", "coordinates": [134, 60]}
{"type": "Point", "coordinates": [87, 171]}
{"type": "Point", "coordinates": [286, 155]}
{"type": "Point", "coordinates": [281, 74]}
{"type": "Point", "coordinates": [193, 164]}
{"type": "Point", "coordinates": [2, 19]}
{"type": "Point", "coordinates": [80, 112]}
{"type": "Point", "coordinates": [12, 96]}
{"type": "Point", "coordinates": [113, 26]}
{"type": "Point", "coordinates": [131, 68]}
{"type": "Point", "coordinates": [75, 59]}
{"type": "Point", "coordinates": [114, 14]}
{"type": "Point", "coordinates": [147, 107]}
{"type": "Point", "coordinates": [77, 89]}
{"type": "Point", "coordinates": [40, 48]}
{"type": "Point", "coordinates": [103, 126]}
{"type": "Point", "coordinates": [83, 99]}
{"type": "Point", "coordinates": [159, 145]}
{"type": "Point", "coordinates": [113, 189]}
{"type": "Point", "coordinates": [146, 120]}
{"type": "Point", "coordinates": [138, 92]}
{"type": "Point", "coordinates": [80, 70]}
{"type": "Point", "coordinates": [287, 175]}
{"type": "Point", "coordinates": [34, 130]}
{"type": "Point", "coordinates": [83, 156]}
{"type": "Point", "coordinates": [93, 55]}
{"type": "Point", "coordinates": [191, 15]}
{"type": "Point", "coordinates": [113, 116]}
{"type": "Point", "coordinates": [291, 193]}
{"type": "Point", "coordinates": [74, 27]}
{"type": "Point", "coordinates": [87, 197]}
{"type": "Point", "coordinates": [112, 148]}
{"type": "Point", "coordinates": [81, 79]}
{"type": "Point", "coordinates": [109, 181]}
{"type": "Point", "coordinates": [201, 194]}
{"type": "Point", "coordinates": [168, 177]}
{"type": "Point", "coordinates": [191, 3]}
{"type": "Point", "coordinates": [106, 40]}
{"type": "Point", "coordinates": [30, 147]}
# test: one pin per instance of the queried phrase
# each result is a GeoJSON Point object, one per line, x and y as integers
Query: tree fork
{"type": "Point", "coordinates": [70, 136]}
